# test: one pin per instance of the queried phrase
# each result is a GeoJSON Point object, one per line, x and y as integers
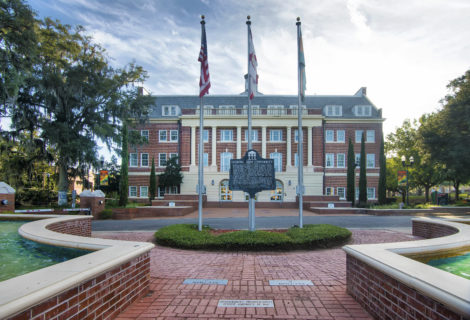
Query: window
{"type": "Point", "coordinates": [330, 160]}
{"type": "Point", "coordinates": [334, 111]}
{"type": "Point", "coordinates": [275, 135]}
{"type": "Point", "coordinates": [329, 136]}
{"type": "Point", "coordinates": [162, 159]}
{"type": "Point", "coordinates": [370, 193]}
{"type": "Point", "coordinates": [359, 135]}
{"type": "Point", "coordinates": [132, 191]}
{"type": "Point", "coordinates": [144, 192]}
{"type": "Point", "coordinates": [169, 110]}
{"type": "Point", "coordinates": [225, 192]}
{"type": "Point", "coordinates": [363, 111]}
{"type": "Point", "coordinates": [144, 160]}
{"type": "Point", "coordinates": [296, 160]}
{"type": "Point", "coordinates": [254, 110]}
{"type": "Point", "coordinates": [247, 197]}
{"type": "Point", "coordinates": [295, 107]}
{"type": "Point", "coordinates": [205, 136]}
{"type": "Point", "coordinates": [276, 194]}
{"type": "Point", "coordinates": [358, 160]}
{"type": "Point", "coordinates": [340, 160]}
{"type": "Point", "coordinates": [144, 134]}
{"type": "Point", "coordinates": [207, 109]}
{"type": "Point", "coordinates": [226, 135]}
{"type": "Point", "coordinates": [254, 135]}
{"type": "Point", "coordinates": [133, 161]}
{"type": "Point", "coordinates": [205, 159]}
{"type": "Point", "coordinates": [277, 157]}
{"type": "Point", "coordinates": [227, 110]}
{"type": "Point", "coordinates": [276, 110]}
{"type": "Point", "coordinates": [173, 155]}
{"type": "Point", "coordinates": [370, 160]}
{"type": "Point", "coordinates": [370, 136]}
{"type": "Point", "coordinates": [174, 135]}
{"type": "Point", "coordinates": [356, 190]}
{"type": "Point", "coordinates": [341, 192]}
{"type": "Point", "coordinates": [162, 134]}
{"type": "Point", "coordinates": [340, 136]}
{"type": "Point", "coordinates": [296, 135]}
{"type": "Point", "coordinates": [225, 161]}
{"type": "Point", "coordinates": [330, 191]}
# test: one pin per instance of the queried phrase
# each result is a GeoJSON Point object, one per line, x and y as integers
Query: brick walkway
{"type": "Point", "coordinates": [248, 276]}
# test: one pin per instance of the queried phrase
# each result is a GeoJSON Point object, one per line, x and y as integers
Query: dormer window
{"type": "Point", "coordinates": [333, 111]}
{"type": "Point", "coordinates": [169, 111]}
{"type": "Point", "coordinates": [363, 111]}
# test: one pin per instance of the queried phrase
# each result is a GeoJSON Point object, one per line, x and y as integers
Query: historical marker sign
{"type": "Point", "coordinates": [290, 283]}
{"type": "Point", "coordinates": [246, 304]}
{"type": "Point", "coordinates": [252, 173]}
{"type": "Point", "coordinates": [206, 281]}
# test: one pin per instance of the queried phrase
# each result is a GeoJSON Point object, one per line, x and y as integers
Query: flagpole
{"type": "Point", "coordinates": [251, 201]}
{"type": "Point", "coordinates": [300, 160]}
{"type": "Point", "coordinates": [201, 147]}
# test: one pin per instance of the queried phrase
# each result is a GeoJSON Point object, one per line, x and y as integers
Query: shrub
{"type": "Point", "coordinates": [106, 214]}
{"type": "Point", "coordinates": [310, 237]}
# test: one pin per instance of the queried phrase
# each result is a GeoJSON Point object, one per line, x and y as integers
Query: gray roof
{"type": "Point", "coordinates": [312, 102]}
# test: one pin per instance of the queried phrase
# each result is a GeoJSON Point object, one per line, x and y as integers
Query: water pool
{"type": "Point", "coordinates": [20, 256]}
{"type": "Point", "coordinates": [458, 265]}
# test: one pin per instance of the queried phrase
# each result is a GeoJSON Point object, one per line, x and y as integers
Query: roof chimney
{"type": "Point", "coordinates": [246, 87]}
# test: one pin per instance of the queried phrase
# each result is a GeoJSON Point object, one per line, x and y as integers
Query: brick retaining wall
{"type": "Point", "coordinates": [387, 298]}
{"type": "Point", "coordinates": [431, 230]}
{"type": "Point", "coordinates": [103, 297]}
{"type": "Point", "coordinates": [81, 227]}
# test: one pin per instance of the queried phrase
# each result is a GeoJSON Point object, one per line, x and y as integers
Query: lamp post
{"type": "Point", "coordinates": [405, 165]}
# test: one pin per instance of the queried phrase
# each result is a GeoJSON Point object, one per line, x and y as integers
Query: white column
{"type": "Point", "coordinates": [310, 146]}
{"type": "Point", "coordinates": [263, 142]}
{"type": "Point", "coordinates": [193, 146]}
{"type": "Point", "coordinates": [239, 142]}
{"type": "Point", "coordinates": [289, 147]}
{"type": "Point", "coordinates": [214, 148]}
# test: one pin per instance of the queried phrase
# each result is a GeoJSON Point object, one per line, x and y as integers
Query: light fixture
{"type": "Point", "coordinates": [212, 182]}
{"type": "Point", "coordinates": [289, 182]}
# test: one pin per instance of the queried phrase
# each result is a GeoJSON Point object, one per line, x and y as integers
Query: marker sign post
{"type": "Point", "coordinates": [252, 174]}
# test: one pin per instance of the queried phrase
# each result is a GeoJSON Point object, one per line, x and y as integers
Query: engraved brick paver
{"type": "Point", "coordinates": [248, 276]}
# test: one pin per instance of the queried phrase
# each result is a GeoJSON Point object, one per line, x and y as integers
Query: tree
{"type": "Point", "coordinates": [17, 50]}
{"type": "Point", "coordinates": [74, 97]}
{"type": "Point", "coordinates": [447, 133]}
{"type": "Point", "coordinates": [382, 174]}
{"type": "Point", "coordinates": [172, 175]}
{"type": "Point", "coordinates": [351, 174]}
{"type": "Point", "coordinates": [124, 183]}
{"type": "Point", "coordinates": [152, 182]}
{"type": "Point", "coordinates": [362, 175]}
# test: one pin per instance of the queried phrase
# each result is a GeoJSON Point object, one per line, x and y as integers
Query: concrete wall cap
{"type": "Point", "coordinates": [6, 189]}
{"type": "Point", "coordinates": [98, 193]}
{"type": "Point", "coordinates": [86, 193]}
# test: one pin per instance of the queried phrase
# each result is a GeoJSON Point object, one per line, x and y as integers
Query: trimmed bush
{"type": "Point", "coordinates": [187, 236]}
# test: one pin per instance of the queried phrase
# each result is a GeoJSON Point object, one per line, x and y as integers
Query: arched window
{"type": "Point", "coordinates": [278, 193]}
{"type": "Point", "coordinates": [225, 161]}
{"type": "Point", "coordinates": [225, 192]}
{"type": "Point", "coordinates": [277, 157]}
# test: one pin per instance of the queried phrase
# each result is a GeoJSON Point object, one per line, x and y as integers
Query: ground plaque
{"type": "Point", "coordinates": [206, 281]}
{"type": "Point", "coordinates": [246, 304]}
{"type": "Point", "coordinates": [252, 173]}
{"type": "Point", "coordinates": [290, 283]}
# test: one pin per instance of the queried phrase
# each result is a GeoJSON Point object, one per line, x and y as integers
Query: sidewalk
{"type": "Point", "coordinates": [248, 276]}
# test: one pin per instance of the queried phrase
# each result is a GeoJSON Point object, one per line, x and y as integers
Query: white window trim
{"type": "Point", "coordinates": [277, 157]}
{"type": "Point", "coordinates": [224, 156]}
{"type": "Point", "coordinates": [130, 194]}
{"type": "Point", "coordinates": [275, 110]}
{"type": "Point", "coordinates": [357, 158]}
{"type": "Point", "coordinates": [332, 191]}
{"type": "Point", "coordinates": [160, 159]}
{"type": "Point", "coordinates": [367, 160]}
{"type": "Point", "coordinates": [254, 132]}
{"type": "Point", "coordinates": [271, 135]}
{"type": "Point", "coordinates": [172, 110]}
{"type": "Point", "coordinates": [344, 136]}
{"type": "Point", "coordinates": [222, 136]}
{"type": "Point", "coordinates": [141, 160]}
{"type": "Point", "coordinates": [332, 136]}
{"type": "Point", "coordinates": [367, 136]}
{"type": "Point", "coordinates": [136, 159]}
{"type": "Point", "coordinates": [374, 196]}
{"type": "Point", "coordinates": [205, 156]}
{"type": "Point", "coordinates": [204, 135]}
{"type": "Point", "coordinates": [333, 110]}
{"type": "Point", "coordinates": [295, 107]}
{"type": "Point", "coordinates": [338, 193]}
{"type": "Point", "coordinates": [144, 135]}
{"type": "Point", "coordinates": [344, 160]}
{"type": "Point", "coordinates": [177, 136]}
{"type": "Point", "coordinates": [255, 110]}
{"type": "Point", "coordinates": [360, 136]}
{"type": "Point", "coordinates": [160, 135]}
{"type": "Point", "coordinates": [365, 110]}
{"type": "Point", "coordinates": [140, 191]}
{"type": "Point", "coordinates": [332, 162]}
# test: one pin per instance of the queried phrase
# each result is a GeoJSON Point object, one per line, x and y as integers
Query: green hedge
{"type": "Point", "coordinates": [186, 236]}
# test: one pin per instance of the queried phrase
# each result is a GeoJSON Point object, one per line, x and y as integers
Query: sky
{"type": "Point", "coordinates": [404, 51]}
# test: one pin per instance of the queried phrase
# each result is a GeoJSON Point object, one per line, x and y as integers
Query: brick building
{"type": "Point", "coordinates": [328, 124]}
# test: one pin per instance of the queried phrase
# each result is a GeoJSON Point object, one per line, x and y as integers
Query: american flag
{"type": "Point", "coordinates": [252, 65]}
{"type": "Point", "coordinates": [204, 82]}
{"type": "Point", "coordinates": [302, 80]}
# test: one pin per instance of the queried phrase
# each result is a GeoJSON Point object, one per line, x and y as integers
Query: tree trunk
{"type": "Point", "coordinates": [426, 193]}
{"type": "Point", "coordinates": [456, 186]}
{"type": "Point", "coordinates": [63, 184]}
